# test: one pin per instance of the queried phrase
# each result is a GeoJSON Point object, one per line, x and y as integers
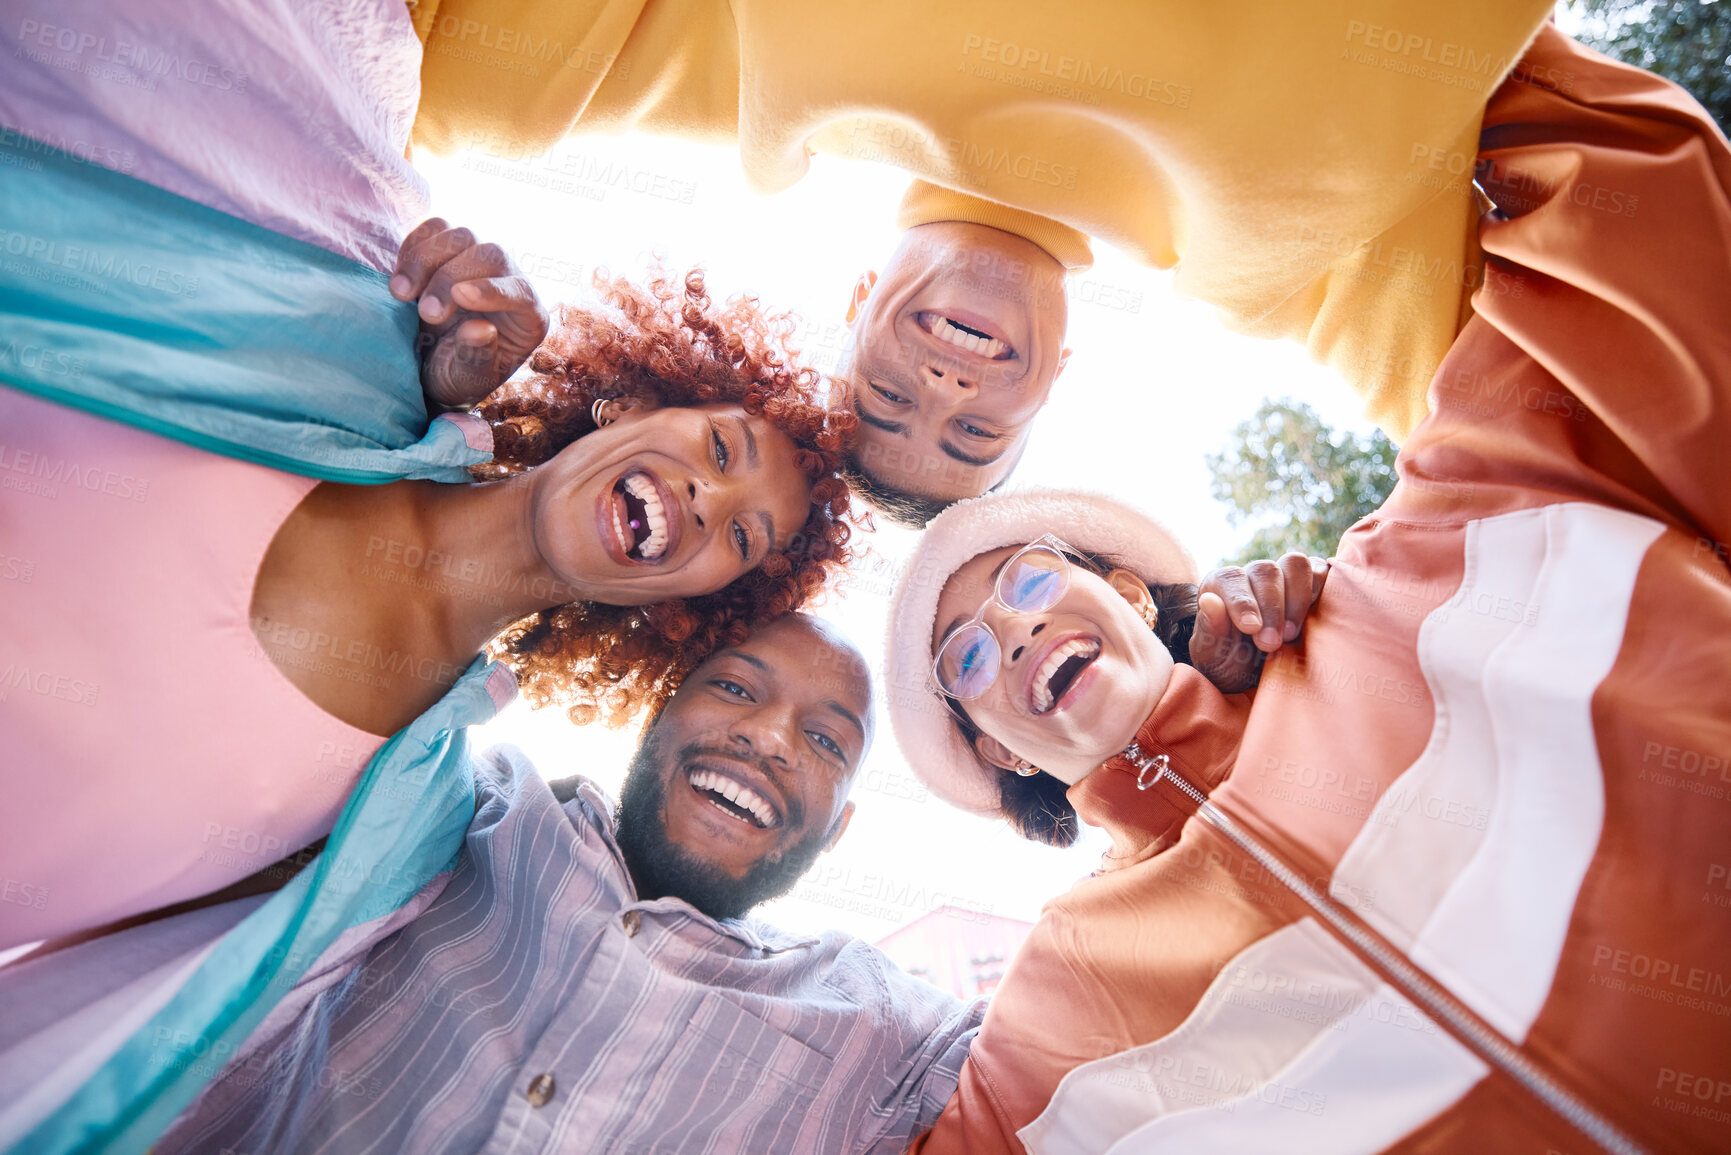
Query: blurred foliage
{"type": "Point", "coordinates": [1688, 41]}
{"type": "Point", "coordinates": [1306, 482]}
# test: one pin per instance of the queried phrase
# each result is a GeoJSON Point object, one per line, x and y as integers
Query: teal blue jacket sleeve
{"type": "Point", "coordinates": [127, 301]}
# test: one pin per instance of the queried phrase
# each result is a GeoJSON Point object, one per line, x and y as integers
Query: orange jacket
{"type": "Point", "coordinates": [1500, 762]}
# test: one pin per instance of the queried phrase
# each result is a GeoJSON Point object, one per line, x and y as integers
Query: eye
{"type": "Point", "coordinates": [722, 454]}
{"type": "Point", "coordinates": [889, 395]}
{"type": "Point", "coordinates": [976, 431]}
{"type": "Point", "coordinates": [742, 540]}
{"type": "Point", "coordinates": [732, 688]}
{"type": "Point", "coordinates": [1030, 586]}
{"type": "Point", "coordinates": [973, 659]}
{"type": "Point", "coordinates": [968, 662]}
{"type": "Point", "coordinates": [826, 742]}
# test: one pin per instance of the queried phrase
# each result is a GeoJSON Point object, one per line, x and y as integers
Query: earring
{"type": "Point", "coordinates": [1026, 768]}
{"type": "Point", "coordinates": [601, 421]}
{"type": "Point", "coordinates": [1151, 615]}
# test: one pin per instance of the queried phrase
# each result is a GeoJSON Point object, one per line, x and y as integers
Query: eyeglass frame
{"type": "Point", "coordinates": [1046, 541]}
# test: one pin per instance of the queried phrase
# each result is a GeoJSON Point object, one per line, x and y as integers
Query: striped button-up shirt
{"type": "Point", "coordinates": [537, 1006]}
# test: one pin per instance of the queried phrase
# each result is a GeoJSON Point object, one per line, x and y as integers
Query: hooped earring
{"type": "Point", "coordinates": [601, 421]}
{"type": "Point", "coordinates": [1025, 768]}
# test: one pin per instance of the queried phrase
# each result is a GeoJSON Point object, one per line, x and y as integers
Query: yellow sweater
{"type": "Point", "coordinates": [1307, 167]}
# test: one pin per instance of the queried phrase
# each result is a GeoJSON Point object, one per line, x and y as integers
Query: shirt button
{"type": "Point", "coordinates": [632, 922]}
{"type": "Point", "coordinates": [540, 1091]}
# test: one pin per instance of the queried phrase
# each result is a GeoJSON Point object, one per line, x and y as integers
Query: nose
{"type": "Point", "coordinates": [765, 732]}
{"type": "Point", "coordinates": [710, 501]}
{"type": "Point", "coordinates": [942, 380]}
{"type": "Point", "coordinates": [1015, 631]}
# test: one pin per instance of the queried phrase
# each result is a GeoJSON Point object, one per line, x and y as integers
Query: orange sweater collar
{"type": "Point", "coordinates": [1197, 729]}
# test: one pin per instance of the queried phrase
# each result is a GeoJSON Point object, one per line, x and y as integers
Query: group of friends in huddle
{"type": "Point", "coordinates": [1386, 832]}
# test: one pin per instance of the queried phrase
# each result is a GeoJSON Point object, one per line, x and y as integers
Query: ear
{"type": "Point", "coordinates": [995, 753]}
{"type": "Point", "coordinates": [1135, 591]}
{"type": "Point", "coordinates": [840, 826]}
{"type": "Point", "coordinates": [862, 289]}
{"type": "Point", "coordinates": [635, 406]}
{"type": "Point", "coordinates": [1063, 360]}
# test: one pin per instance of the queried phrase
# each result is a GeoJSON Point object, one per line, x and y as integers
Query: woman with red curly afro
{"type": "Point", "coordinates": [714, 464]}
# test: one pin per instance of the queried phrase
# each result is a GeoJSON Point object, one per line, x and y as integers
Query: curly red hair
{"type": "Point", "coordinates": [665, 341]}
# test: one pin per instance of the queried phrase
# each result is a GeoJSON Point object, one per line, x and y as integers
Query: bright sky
{"type": "Point", "coordinates": [1154, 384]}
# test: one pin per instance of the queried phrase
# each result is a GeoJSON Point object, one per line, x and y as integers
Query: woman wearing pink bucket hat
{"type": "Point", "coordinates": [1071, 689]}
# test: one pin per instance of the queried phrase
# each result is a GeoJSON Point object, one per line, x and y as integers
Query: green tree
{"type": "Point", "coordinates": [1688, 41]}
{"type": "Point", "coordinates": [1306, 482]}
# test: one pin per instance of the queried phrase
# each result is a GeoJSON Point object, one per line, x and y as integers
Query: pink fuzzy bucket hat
{"type": "Point", "coordinates": [924, 727]}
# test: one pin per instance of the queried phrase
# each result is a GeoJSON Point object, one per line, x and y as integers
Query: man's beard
{"type": "Point", "coordinates": [660, 868]}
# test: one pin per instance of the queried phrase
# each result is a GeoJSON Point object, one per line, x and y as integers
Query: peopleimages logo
{"type": "Point", "coordinates": [23, 894]}
{"type": "Point", "coordinates": [152, 62]}
{"type": "Point", "coordinates": [41, 359]}
{"type": "Point", "coordinates": [1089, 76]}
{"type": "Point", "coordinates": [46, 683]}
{"type": "Point", "coordinates": [911, 148]}
{"type": "Point", "coordinates": [543, 49]}
{"type": "Point", "coordinates": [1426, 48]}
{"type": "Point", "coordinates": [55, 254]}
{"type": "Point", "coordinates": [42, 474]}
{"type": "Point", "coordinates": [120, 160]}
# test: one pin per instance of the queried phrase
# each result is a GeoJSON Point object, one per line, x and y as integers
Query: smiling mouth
{"type": "Point", "coordinates": [965, 337]}
{"type": "Point", "coordinates": [1060, 670]}
{"type": "Point", "coordinates": [640, 517]}
{"type": "Point", "coordinates": [734, 799]}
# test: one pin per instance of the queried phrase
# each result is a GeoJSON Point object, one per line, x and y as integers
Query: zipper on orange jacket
{"type": "Point", "coordinates": [1154, 771]}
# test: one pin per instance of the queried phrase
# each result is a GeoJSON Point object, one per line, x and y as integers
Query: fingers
{"type": "Point", "coordinates": [508, 301]}
{"type": "Point", "coordinates": [418, 236]}
{"type": "Point", "coordinates": [493, 294]}
{"type": "Point", "coordinates": [476, 339]}
{"type": "Point", "coordinates": [1268, 587]}
{"type": "Point", "coordinates": [1211, 615]}
{"type": "Point", "coordinates": [1245, 613]}
{"type": "Point", "coordinates": [1218, 649]}
{"type": "Point", "coordinates": [1230, 585]}
{"type": "Point", "coordinates": [1303, 577]}
{"type": "Point", "coordinates": [1210, 626]}
{"type": "Point", "coordinates": [477, 262]}
{"type": "Point", "coordinates": [428, 247]}
{"type": "Point", "coordinates": [434, 260]}
{"type": "Point", "coordinates": [463, 366]}
{"type": "Point", "coordinates": [480, 317]}
{"type": "Point", "coordinates": [1298, 592]}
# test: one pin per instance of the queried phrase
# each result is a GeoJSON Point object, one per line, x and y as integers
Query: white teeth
{"type": "Point", "coordinates": [619, 527]}
{"type": "Point", "coordinates": [945, 330]}
{"type": "Point", "coordinates": [1042, 695]}
{"type": "Point", "coordinates": [644, 490]}
{"type": "Point", "coordinates": [742, 796]}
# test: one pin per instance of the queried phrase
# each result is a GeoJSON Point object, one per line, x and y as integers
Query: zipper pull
{"type": "Point", "coordinates": [1149, 770]}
